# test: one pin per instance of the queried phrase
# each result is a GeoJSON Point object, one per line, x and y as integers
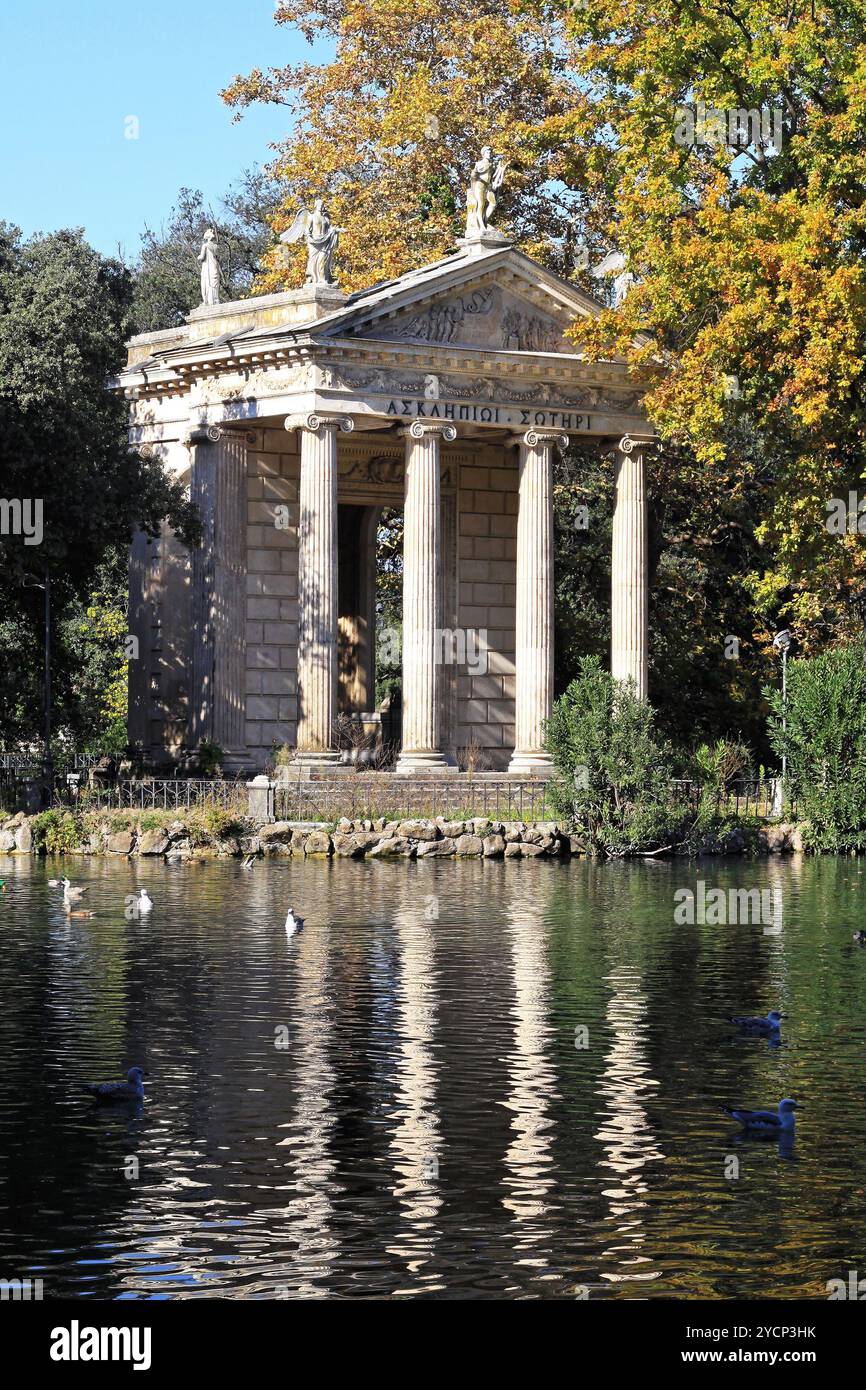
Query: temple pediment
{"type": "Point", "coordinates": [499, 302]}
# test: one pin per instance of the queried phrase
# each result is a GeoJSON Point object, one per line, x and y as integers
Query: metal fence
{"type": "Point", "coordinates": [756, 798]}
{"type": "Point", "coordinates": [158, 794]}
{"type": "Point", "coordinates": [406, 798]}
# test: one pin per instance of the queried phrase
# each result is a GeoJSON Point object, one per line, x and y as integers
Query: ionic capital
{"type": "Point", "coordinates": [642, 443]}
{"type": "Point", "coordinates": [534, 439]}
{"type": "Point", "coordinates": [420, 428]}
{"type": "Point", "coordinates": [314, 423]}
{"type": "Point", "coordinates": [202, 434]}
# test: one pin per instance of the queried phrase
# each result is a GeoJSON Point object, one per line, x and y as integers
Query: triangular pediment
{"type": "Point", "coordinates": [498, 302]}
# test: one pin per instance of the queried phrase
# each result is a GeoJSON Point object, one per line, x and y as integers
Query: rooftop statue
{"type": "Point", "coordinates": [615, 264]}
{"type": "Point", "coordinates": [210, 270]}
{"type": "Point", "coordinates": [322, 242]}
{"type": "Point", "coordinates": [487, 176]}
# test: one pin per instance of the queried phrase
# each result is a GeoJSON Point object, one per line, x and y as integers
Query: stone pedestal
{"type": "Point", "coordinates": [629, 607]}
{"type": "Point", "coordinates": [317, 588]}
{"type": "Point", "coordinates": [534, 605]}
{"type": "Point", "coordinates": [218, 488]}
{"type": "Point", "coordinates": [422, 600]}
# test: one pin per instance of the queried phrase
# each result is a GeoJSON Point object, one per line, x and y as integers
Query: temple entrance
{"type": "Point", "coordinates": [369, 626]}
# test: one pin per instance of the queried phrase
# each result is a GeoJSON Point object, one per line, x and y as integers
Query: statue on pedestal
{"type": "Point", "coordinates": [487, 176]}
{"type": "Point", "coordinates": [210, 270]}
{"type": "Point", "coordinates": [322, 242]}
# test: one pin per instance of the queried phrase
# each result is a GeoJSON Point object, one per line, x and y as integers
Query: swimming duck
{"type": "Point", "coordinates": [249, 861]}
{"type": "Point", "coordinates": [757, 1024]}
{"type": "Point", "coordinates": [107, 1092]}
{"type": "Point", "coordinates": [145, 901]}
{"type": "Point", "coordinates": [293, 923]}
{"type": "Point", "coordinates": [767, 1121]}
{"type": "Point", "coordinates": [860, 936]}
{"type": "Point", "coordinates": [71, 895]}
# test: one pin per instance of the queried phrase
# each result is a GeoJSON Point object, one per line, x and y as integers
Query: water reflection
{"type": "Point", "coordinates": [430, 1127]}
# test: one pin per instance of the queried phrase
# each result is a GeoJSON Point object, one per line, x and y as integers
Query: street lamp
{"type": "Point", "coordinates": [782, 642]}
{"type": "Point", "coordinates": [31, 583]}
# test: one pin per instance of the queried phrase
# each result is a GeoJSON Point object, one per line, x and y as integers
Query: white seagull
{"type": "Point", "coordinates": [145, 901]}
{"type": "Point", "coordinates": [757, 1024]}
{"type": "Point", "coordinates": [293, 923]}
{"type": "Point", "coordinates": [767, 1121]}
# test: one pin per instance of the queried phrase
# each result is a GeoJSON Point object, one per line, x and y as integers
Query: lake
{"type": "Point", "coordinates": [462, 1079]}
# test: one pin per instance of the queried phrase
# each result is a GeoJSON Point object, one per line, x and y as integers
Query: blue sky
{"type": "Point", "coordinates": [74, 70]}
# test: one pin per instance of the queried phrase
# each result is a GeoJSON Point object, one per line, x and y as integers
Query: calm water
{"type": "Point", "coordinates": [431, 1128]}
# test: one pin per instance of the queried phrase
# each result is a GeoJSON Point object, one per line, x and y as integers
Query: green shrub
{"type": "Point", "coordinates": [212, 823]}
{"type": "Point", "coordinates": [615, 772]}
{"type": "Point", "coordinates": [56, 832]}
{"type": "Point", "coordinates": [825, 745]}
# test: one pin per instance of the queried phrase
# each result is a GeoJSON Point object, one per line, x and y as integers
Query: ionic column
{"type": "Point", "coordinates": [317, 586]}
{"type": "Point", "coordinates": [218, 600]}
{"type": "Point", "coordinates": [422, 598]}
{"type": "Point", "coordinates": [534, 615]}
{"type": "Point", "coordinates": [629, 645]}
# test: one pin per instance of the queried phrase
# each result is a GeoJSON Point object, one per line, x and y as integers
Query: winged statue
{"type": "Point", "coordinates": [615, 264]}
{"type": "Point", "coordinates": [322, 241]}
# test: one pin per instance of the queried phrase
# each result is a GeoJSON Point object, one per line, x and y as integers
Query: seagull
{"type": "Point", "coordinates": [767, 1121]}
{"type": "Point", "coordinates": [249, 861]}
{"type": "Point", "coordinates": [765, 1026]}
{"type": "Point", "coordinates": [111, 1091]}
{"type": "Point", "coordinates": [293, 923]}
{"type": "Point", "coordinates": [145, 901]}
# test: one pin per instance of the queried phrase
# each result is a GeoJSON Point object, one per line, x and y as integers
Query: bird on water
{"type": "Point", "coordinates": [110, 1092]}
{"type": "Point", "coordinates": [766, 1026]}
{"type": "Point", "coordinates": [781, 1121]}
{"type": "Point", "coordinates": [293, 923]}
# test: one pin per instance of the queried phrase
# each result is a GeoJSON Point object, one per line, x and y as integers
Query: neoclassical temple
{"type": "Point", "coordinates": [295, 418]}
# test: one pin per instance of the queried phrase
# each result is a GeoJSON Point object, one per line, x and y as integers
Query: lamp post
{"type": "Point", "coordinates": [782, 642]}
{"type": "Point", "coordinates": [31, 583]}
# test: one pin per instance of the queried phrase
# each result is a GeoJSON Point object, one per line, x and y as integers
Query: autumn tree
{"type": "Point", "coordinates": [723, 149]}
{"type": "Point", "coordinates": [388, 129]}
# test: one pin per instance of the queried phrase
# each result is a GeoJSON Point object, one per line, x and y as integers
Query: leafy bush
{"type": "Point", "coordinates": [56, 832]}
{"type": "Point", "coordinates": [825, 745]}
{"type": "Point", "coordinates": [212, 823]}
{"type": "Point", "coordinates": [615, 772]}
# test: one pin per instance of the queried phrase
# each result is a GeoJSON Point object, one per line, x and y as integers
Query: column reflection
{"type": "Point", "coordinates": [625, 1131]}
{"type": "Point", "coordinates": [416, 1141]}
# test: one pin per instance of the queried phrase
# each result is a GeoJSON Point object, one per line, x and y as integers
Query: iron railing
{"type": "Point", "coordinates": [158, 794]}
{"type": "Point", "coordinates": [409, 798]}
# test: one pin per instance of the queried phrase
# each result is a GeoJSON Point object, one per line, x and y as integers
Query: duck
{"type": "Point", "coordinates": [766, 1026]}
{"type": "Point", "coordinates": [145, 901]}
{"type": "Point", "coordinates": [108, 1092]}
{"type": "Point", "coordinates": [860, 937]}
{"type": "Point", "coordinates": [778, 1121]}
{"type": "Point", "coordinates": [249, 861]}
{"type": "Point", "coordinates": [293, 923]}
{"type": "Point", "coordinates": [71, 896]}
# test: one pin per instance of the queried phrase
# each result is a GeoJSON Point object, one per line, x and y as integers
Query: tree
{"type": "Point", "coordinates": [64, 454]}
{"type": "Point", "coordinates": [821, 729]}
{"type": "Point", "coordinates": [748, 315]}
{"type": "Point", "coordinates": [166, 276]}
{"type": "Point", "coordinates": [388, 130]}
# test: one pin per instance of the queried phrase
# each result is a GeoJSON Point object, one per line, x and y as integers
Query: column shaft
{"type": "Point", "coordinates": [218, 487]}
{"type": "Point", "coordinates": [629, 656]}
{"type": "Point", "coordinates": [317, 587]}
{"type": "Point", "coordinates": [422, 599]}
{"type": "Point", "coordinates": [534, 602]}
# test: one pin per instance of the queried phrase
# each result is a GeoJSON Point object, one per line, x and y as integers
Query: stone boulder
{"type": "Point", "coordinates": [465, 846]}
{"type": "Point", "coordinates": [531, 851]}
{"type": "Point", "coordinates": [120, 842]}
{"type": "Point", "coordinates": [7, 841]}
{"type": "Point", "coordinates": [513, 850]}
{"type": "Point", "coordinates": [347, 846]}
{"type": "Point", "coordinates": [776, 839]}
{"type": "Point", "coordinates": [318, 844]}
{"type": "Point", "coordinates": [280, 830]}
{"type": "Point", "coordinates": [436, 849]}
{"type": "Point", "coordinates": [153, 842]}
{"type": "Point", "coordinates": [494, 846]}
{"type": "Point", "coordinates": [417, 830]}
